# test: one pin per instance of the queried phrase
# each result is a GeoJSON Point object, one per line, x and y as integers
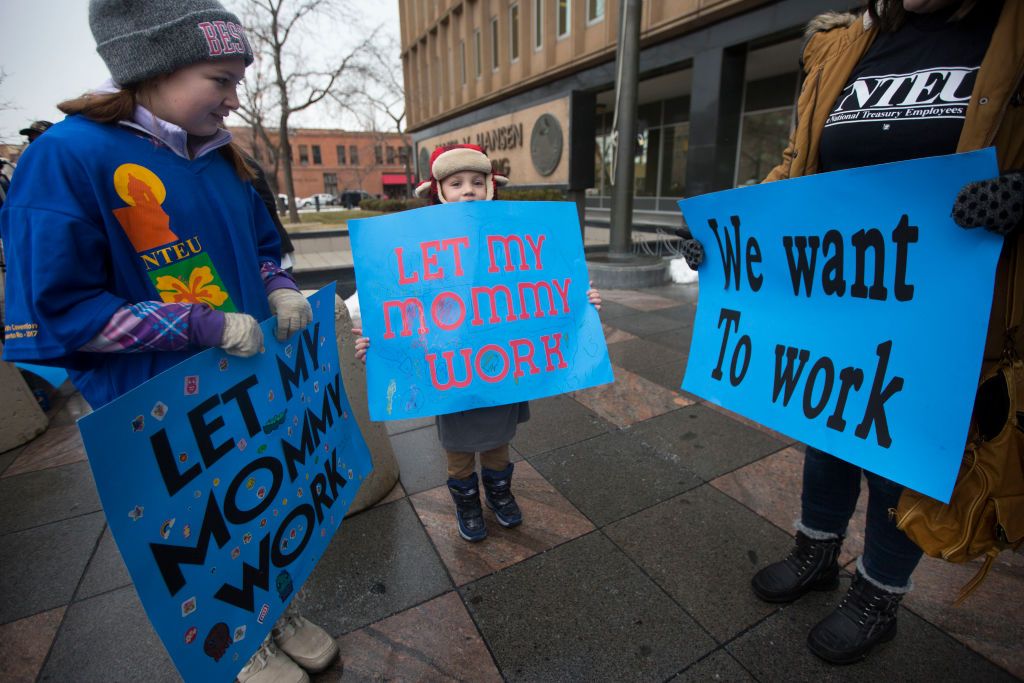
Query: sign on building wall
{"type": "Point", "coordinates": [532, 146]}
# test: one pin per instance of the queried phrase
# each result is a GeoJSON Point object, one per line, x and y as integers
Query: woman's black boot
{"type": "Point", "coordinates": [812, 564]}
{"type": "Point", "coordinates": [865, 617]}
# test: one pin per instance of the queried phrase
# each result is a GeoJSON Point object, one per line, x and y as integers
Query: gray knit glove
{"type": "Point", "coordinates": [996, 204]}
{"type": "Point", "coordinates": [242, 335]}
{"type": "Point", "coordinates": [292, 311]}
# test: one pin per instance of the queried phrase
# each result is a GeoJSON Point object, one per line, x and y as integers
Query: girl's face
{"type": "Point", "coordinates": [196, 97]}
{"type": "Point", "coordinates": [464, 186]}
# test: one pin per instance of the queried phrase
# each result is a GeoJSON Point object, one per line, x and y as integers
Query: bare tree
{"type": "Point", "coordinates": [370, 158]}
{"type": "Point", "coordinates": [276, 28]}
{"type": "Point", "coordinates": [4, 106]}
{"type": "Point", "coordinates": [384, 94]}
{"type": "Point", "coordinates": [257, 105]}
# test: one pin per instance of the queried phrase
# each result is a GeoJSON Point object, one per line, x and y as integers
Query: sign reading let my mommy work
{"type": "Point", "coordinates": [223, 480]}
{"type": "Point", "coordinates": [475, 304]}
{"type": "Point", "coordinates": [848, 310]}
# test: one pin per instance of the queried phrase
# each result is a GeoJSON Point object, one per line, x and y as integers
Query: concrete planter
{"type": "Point", "coordinates": [21, 418]}
{"type": "Point", "coordinates": [353, 374]}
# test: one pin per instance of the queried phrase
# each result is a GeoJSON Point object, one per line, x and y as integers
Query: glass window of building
{"type": "Point", "coordinates": [462, 62]}
{"type": "Point", "coordinates": [304, 155]}
{"type": "Point", "coordinates": [595, 11]}
{"type": "Point", "coordinates": [391, 155]}
{"type": "Point", "coordinates": [478, 53]}
{"type": "Point", "coordinates": [317, 159]}
{"type": "Point", "coordinates": [494, 42]}
{"type": "Point", "coordinates": [603, 164]}
{"type": "Point", "coordinates": [659, 161]}
{"type": "Point", "coordinates": [331, 183]}
{"type": "Point", "coordinates": [353, 155]}
{"type": "Point", "coordinates": [564, 17]}
{"type": "Point", "coordinates": [765, 126]}
{"type": "Point", "coordinates": [645, 163]}
{"type": "Point", "coordinates": [340, 149]}
{"type": "Point", "coordinates": [538, 24]}
{"type": "Point", "coordinates": [378, 155]}
{"type": "Point", "coordinates": [763, 136]}
{"type": "Point", "coordinates": [675, 142]}
{"type": "Point", "coordinates": [513, 33]}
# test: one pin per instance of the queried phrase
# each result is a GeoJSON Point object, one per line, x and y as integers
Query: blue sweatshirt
{"type": "Point", "coordinates": [98, 217]}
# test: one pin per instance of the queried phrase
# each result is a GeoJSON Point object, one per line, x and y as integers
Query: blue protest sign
{"type": "Point", "coordinates": [849, 311]}
{"type": "Point", "coordinates": [475, 304]}
{"type": "Point", "coordinates": [223, 480]}
{"type": "Point", "coordinates": [55, 377]}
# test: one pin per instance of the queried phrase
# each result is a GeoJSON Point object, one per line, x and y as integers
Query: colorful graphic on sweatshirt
{"type": "Point", "coordinates": [192, 281]}
{"type": "Point", "coordinates": [178, 268]}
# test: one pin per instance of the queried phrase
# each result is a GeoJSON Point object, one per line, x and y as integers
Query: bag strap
{"type": "Point", "coordinates": [977, 579]}
{"type": "Point", "coordinates": [1013, 306]}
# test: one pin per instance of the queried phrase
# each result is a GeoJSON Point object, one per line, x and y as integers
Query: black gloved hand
{"type": "Point", "coordinates": [996, 204]}
{"type": "Point", "coordinates": [692, 250]}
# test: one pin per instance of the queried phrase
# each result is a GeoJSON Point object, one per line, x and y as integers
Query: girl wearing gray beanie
{"type": "Point", "coordinates": [135, 239]}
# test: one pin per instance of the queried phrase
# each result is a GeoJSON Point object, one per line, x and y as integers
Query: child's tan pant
{"type": "Point", "coordinates": [461, 465]}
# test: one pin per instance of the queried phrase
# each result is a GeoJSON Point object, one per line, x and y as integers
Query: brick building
{"type": "Point", "coordinates": [333, 161]}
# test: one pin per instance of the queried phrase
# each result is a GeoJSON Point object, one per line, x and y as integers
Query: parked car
{"type": "Point", "coordinates": [311, 201]}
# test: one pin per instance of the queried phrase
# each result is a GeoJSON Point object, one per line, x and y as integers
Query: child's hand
{"type": "Point", "coordinates": [362, 344]}
{"type": "Point", "coordinates": [594, 297]}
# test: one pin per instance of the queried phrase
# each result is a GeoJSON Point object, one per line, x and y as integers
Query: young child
{"type": "Point", "coordinates": [462, 173]}
{"type": "Point", "coordinates": [134, 237]}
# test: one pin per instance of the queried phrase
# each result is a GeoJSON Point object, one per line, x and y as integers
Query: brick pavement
{"type": "Point", "coordinates": [647, 511]}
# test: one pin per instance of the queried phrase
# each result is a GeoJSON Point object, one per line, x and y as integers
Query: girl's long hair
{"type": "Point", "coordinates": [890, 15]}
{"type": "Point", "coordinates": [120, 106]}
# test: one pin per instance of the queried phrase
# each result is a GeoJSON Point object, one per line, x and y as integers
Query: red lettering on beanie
{"type": "Point", "coordinates": [212, 41]}
{"type": "Point", "coordinates": [239, 35]}
{"type": "Point", "coordinates": [225, 38]}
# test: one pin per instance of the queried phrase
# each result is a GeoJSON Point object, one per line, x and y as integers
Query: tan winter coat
{"type": "Point", "coordinates": [995, 116]}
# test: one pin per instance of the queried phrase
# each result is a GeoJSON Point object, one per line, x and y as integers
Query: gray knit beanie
{"type": "Point", "coordinates": [139, 39]}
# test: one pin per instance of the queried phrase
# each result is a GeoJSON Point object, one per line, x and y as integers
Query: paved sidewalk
{"type": "Point", "coordinates": [647, 511]}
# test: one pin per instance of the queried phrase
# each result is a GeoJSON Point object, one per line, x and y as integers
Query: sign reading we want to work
{"type": "Point", "coordinates": [475, 304]}
{"type": "Point", "coordinates": [849, 311]}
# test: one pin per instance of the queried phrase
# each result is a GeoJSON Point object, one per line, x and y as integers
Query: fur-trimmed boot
{"type": "Point", "coordinates": [812, 564]}
{"type": "Point", "coordinates": [498, 492]}
{"type": "Point", "coordinates": [865, 617]}
{"type": "Point", "coordinates": [468, 511]}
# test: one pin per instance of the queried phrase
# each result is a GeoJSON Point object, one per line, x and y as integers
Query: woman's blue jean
{"type": "Point", "coordinates": [830, 490]}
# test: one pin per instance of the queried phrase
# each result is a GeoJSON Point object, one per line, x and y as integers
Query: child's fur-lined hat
{"type": "Point", "coordinates": [452, 159]}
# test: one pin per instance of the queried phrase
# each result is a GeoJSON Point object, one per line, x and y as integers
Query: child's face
{"type": "Point", "coordinates": [197, 97]}
{"type": "Point", "coordinates": [464, 186]}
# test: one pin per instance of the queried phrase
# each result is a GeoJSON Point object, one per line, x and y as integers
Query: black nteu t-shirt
{"type": "Point", "coordinates": [907, 97]}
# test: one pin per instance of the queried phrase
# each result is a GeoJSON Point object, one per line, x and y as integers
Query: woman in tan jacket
{"type": "Point", "coordinates": [904, 79]}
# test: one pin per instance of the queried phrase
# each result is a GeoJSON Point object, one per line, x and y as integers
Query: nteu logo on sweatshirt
{"type": "Point", "coordinates": [179, 269]}
{"type": "Point", "coordinates": [937, 93]}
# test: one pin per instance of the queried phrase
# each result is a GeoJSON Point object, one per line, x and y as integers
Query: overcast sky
{"type": "Point", "coordinates": [49, 63]}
